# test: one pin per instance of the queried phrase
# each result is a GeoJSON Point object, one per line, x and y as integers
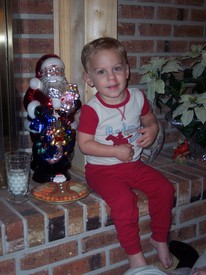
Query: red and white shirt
{"type": "Point", "coordinates": [114, 124]}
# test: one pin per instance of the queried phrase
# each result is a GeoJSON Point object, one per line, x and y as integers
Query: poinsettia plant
{"type": "Point", "coordinates": [183, 89]}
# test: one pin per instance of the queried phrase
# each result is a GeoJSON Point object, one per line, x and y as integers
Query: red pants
{"type": "Point", "coordinates": [115, 183]}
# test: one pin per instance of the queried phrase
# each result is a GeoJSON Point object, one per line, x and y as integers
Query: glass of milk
{"type": "Point", "coordinates": [17, 172]}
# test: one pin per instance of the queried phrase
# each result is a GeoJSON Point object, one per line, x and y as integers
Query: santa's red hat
{"type": "Point", "coordinates": [46, 60]}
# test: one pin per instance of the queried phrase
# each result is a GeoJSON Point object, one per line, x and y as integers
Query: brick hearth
{"type": "Point", "coordinates": [79, 238]}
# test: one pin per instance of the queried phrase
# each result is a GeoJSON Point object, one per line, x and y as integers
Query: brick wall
{"type": "Point", "coordinates": [146, 28]}
{"type": "Point", "coordinates": [33, 36]}
{"type": "Point", "coordinates": [160, 28]}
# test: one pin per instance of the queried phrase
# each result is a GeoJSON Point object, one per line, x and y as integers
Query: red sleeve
{"type": "Point", "coordinates": [88, 120]}
{"type": "Point", "coordinates": [146, 107]}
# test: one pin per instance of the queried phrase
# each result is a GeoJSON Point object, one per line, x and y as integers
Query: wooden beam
{"type": "Point", "coordinates": [76, 22]}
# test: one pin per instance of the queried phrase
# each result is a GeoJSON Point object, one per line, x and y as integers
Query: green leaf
{"type": "Point", "coordinates": [145, 79]}
{"type": "Point", "coordinates": [204, 58]}
{"type": "Point", "coordinates": [198, 70]}
{"type": "Point", "coordinates": [188, 104]}
{"type": "Point", "coordinates": [201, 114]}
{"type": "Point", "coordinates": [195, 51]}
{"type": "Point", "coordinates": [201, 98]}
{"type": "Point", "coordinates": [150, 92]}
{"type": "Point", "coordinates": [145, 68]}
{"type": "Point", "coordinates": [159, 86]}
{"type": "Point", "coordinates": [187, 117]}
{"type": "Point", "coordinates": [178, 111]}
{"type": "Point", "coordinates": [185, 97]}
{"type": "Point", "coordinates": [157, 63]}
{"type": "Point", "coordinates": [172, 66]}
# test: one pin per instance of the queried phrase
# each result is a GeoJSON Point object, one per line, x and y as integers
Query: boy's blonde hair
{"type": "Point", "coordinates": [102, 43]}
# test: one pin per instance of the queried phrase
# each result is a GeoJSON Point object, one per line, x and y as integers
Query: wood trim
{"type": "Point", "coordinates": [62, 33]}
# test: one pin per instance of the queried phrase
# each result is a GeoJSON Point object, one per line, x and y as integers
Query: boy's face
{"type": "Point", "coordinates": [108, 72]}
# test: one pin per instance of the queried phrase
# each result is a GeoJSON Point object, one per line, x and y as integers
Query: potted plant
{"type": "Point", "coordinates": [181, 87]}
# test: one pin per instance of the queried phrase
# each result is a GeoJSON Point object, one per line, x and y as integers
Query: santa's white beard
{"type": "Point", "coordinates": [54, 86]}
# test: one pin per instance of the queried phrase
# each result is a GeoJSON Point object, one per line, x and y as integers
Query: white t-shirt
{"type": "Point", "coordinates": [114, 124]}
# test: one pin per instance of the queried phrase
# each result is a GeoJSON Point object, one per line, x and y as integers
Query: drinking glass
{"type": "Point", "coordinates": [17, 171]}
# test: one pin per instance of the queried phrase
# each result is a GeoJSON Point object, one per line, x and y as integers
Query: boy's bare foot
{"type": "Point", "coordinates": [137, 260]}
{"type": "Point", "coordinates": [163, 252]}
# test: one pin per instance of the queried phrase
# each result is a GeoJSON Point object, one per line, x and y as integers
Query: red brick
{"type": "Point", "coordinates": [56, 220]}
{"type": "Point", "coordinates": [138, 46]}
{"type": "Point", "coordinates": [198, 15]}
{"type": "Point", "coordinates": [43, 272]}
{"type": "Point", "coordinates": [33, 6]}
{"type": "Point", "coordinates": [133, 80]}
{"type": "Point", "coordinates": [107, 210]}
{"type": "Point", "coordinates": [93, 207]}
{"type": "Point", "coordinates": [25, 65]}
{"type": "Point", "coordinates": [52, 210]}
{"type": "Point", "coordinates": [13, 229]}
{"type": "Point", "coordinates": [188, 31]}
{"type": "Point", "coordinates": [132, 62]}
{"type": "Point", "coordinates": [135, 11]}
{"type": "Point", "coordinates": [193, 211]}
{"type": "Point", "coordinates": [49, 255]}
{"type": "Point", "coordinates": [189, 2]}
{"type": "Point", "coordinates": [144, 226]}
{"type": "Point", "coordinates": [126, 29]}
{"type": "Point", "coordinates": [93, 213]}
{"type": "Point", "coordinates": [117, 254]}
{"type": "Point", "coordinates": [173, 46]}
{"type": "Point", "coordinates": [142, 203]}
{"type": "Point", "coordinates": [8, 267]}
{"type": "Point", "coordinates": [196, 190]}
{"type": "Point", "coordinates": [146, 245]}
{"type": "Point", "coordinates": [199, 244]}
{"type": "Point", "coordinates": [82, 266]}
{"type": "Point", "coordinates": [195, 167]}
{"type": "Point", "coordinates": [33, 26]}
{"type": "Point", "coordinates": [33, 46]}
{"type": "Point", "coordinates": [100, 240]}
{"type": "Point", "coordinates": [155, 30]}
{"type": "Point", "coordinates": [183, 192]}
{"type": "Point", "coordinates": [21, 84]}
{"type": "Point", "coordinates": [35, 224]}
{"type": "Point", "coordinates": [170, 13]}
{"type": "Point", "coordinates": [202, 227]}
{"type": "Point", "coordinates": [76, 219]}
{"type": "Point", "coordinates": [183, 233]}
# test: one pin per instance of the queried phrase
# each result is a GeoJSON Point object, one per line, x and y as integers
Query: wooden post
{"type": "Point", "coordinates": [75, 24]}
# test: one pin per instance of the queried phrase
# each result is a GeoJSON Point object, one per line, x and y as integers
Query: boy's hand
{"type": "Point", "coordinates": [148, 135]}
{"type": "Point", "coordinates": [124, 152]}
{"type": "Point", "coordinates": [149, 130]}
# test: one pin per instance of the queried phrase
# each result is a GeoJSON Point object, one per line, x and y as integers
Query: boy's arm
{"type": "Point", "coordinates": [149, 131]}
{"type": "Point", "coordinates": [89, 146]}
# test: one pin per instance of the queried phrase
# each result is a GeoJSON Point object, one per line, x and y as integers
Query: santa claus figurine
{"type": "Point", "coordinates": [51, 103]}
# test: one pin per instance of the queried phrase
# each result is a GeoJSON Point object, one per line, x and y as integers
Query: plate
{"type": "Point", "coordinates": [63, 192]}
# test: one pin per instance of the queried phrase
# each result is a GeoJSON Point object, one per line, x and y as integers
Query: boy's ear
{"type": "Point", "coordinates": [127, 71]}
{"type": "Point", "coordinates": [88, 80]}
